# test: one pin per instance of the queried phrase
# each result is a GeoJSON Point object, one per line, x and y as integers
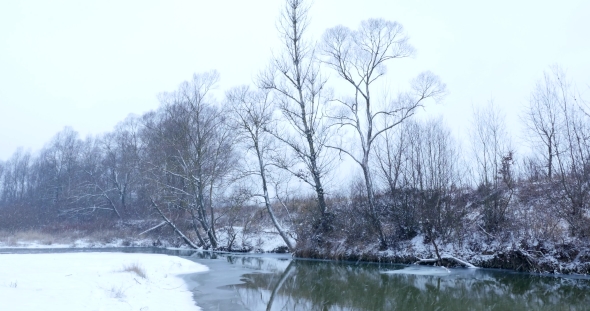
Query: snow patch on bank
{"type": "Point", "coordinates": [229, 239]}
{"type": "Point", "coordinates": [95, 281]}
{"type": "Point", "coordinates": [264, 240]}
{"type": "Point", "coordinates": [80, 243]}
{"type": "Point", "coordinates": [418, 270]}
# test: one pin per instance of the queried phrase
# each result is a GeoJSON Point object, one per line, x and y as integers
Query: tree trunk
{"type": "Point", "coordinates": [275, 222]}
{"type": "Point", "coordinates": [371, 201]}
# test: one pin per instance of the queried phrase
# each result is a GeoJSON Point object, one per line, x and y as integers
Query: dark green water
{"type": "Point", "coordinates": [269, 283]}
{"type": "Point", "coordinates": [276, 282]}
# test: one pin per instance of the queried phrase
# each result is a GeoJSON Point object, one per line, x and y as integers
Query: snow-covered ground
{"type": "Point", "coordinates": [95, 281]}
{"type": "Point", "coordinates": [264, 240]}
{"type": "Point", "coordinates": [80, 243]}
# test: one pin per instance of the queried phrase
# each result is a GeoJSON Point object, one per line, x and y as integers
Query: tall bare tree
{"type": "Point", "coordinates": [391, 151]}
{"type": "Point", "coordinates": [95, 191]}
{"type": "Point", "coordinates": [295, 80]}
{"type": "Point", "coordinates": [111, 168]}
{"type": "Point", "coordinates": [122, 157]}
{"type": "Point", "coordinates": [59, 163]}
{"type": "Point", "coordinates": [436, 176]}
{"type": "Point", "coordinates": [190, 153]}
{"type": "Point", "coordinates": [494, 160]}
{"type": "Point", "coordinates": [253, 114]}
{"type": "Point", "coordinates": [541, 118]}
{"type": "Point", "coordinates": [572, 155]}
{"type": "Point", "coordinates": [359, 57]}
{"type": "Point", "coordinates": [490, 142]}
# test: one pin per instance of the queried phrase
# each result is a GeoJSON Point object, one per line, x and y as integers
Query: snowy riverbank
{"type": "Point", "coordinates": [551, 258]}
{"type": "Point", "coordinates": [265, 240]}
{"type": "Point", "coordinates": [95, 281]}
{"type": "Point", "coordinates": [569, 257]}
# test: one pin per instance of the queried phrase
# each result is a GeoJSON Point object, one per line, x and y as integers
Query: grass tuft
{"type": "Point", "coordinates": [135, 268]}
{"type": "Point", "coordinates": [118, 293]}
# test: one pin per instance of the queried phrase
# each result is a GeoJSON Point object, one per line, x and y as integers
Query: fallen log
{"type": "Point", "coordinates": [445, 257]}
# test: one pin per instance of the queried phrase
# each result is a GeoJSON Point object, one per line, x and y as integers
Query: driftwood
{"type": "Point", "coordinates": [446, 257]}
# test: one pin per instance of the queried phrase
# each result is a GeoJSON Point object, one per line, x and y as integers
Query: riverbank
{"type": "Point", "coordinates": [95, 281]}
{"type": "Point", "coordinates": [565, 258]}
{"type": "Point", "coordinates": [262, 241]}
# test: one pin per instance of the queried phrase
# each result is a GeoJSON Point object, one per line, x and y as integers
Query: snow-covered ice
{"type": "Point", "coordinates": [420, 270]}
{"type": "Point", "coordinates": [95, 281]}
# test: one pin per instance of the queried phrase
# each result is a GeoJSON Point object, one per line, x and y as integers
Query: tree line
{"type": "Point", "coordinates": [203, 162]}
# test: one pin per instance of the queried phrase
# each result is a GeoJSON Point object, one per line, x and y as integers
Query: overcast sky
{"type": "Point", "coordinates": [88, 64]}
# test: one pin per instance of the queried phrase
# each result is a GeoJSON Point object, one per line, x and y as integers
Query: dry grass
{"type": "Point", "coordinates": [106, 236]}
{"type": "Point", "coordinates": [118, 293]}
{"type": "Point", "coordinates": [64, 237]}
{"type": "Point", "coordinates": [28, 236]}
{"type": "Point", "coordinates": [135, 268]}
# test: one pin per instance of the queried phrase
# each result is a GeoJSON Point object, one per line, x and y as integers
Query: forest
{"type": "Point", "coordinates": [313, 151]}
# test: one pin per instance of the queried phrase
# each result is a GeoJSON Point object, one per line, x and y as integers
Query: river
{"type": "Point", "coordinates": [278, 282]}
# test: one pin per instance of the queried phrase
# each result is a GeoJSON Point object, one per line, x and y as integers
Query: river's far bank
{"type": "Point", "coordinates": [566, 258]}
{"type": "Point", "coordinates": [264, 241]}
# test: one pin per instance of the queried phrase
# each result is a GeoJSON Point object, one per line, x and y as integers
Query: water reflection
{"type": "Point", "coordinates": [309, 285]}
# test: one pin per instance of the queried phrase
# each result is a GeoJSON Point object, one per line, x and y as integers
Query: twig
{"type": "Point", "coordinates": [484, 231]}
{"type": "Point", "coordinates": [153, 228]}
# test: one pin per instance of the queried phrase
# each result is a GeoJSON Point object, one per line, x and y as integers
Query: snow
{"type": "Point", "coordinates": [420, 270]}
{"type": "Point", "coordinates": [95, 281]}
{"type": "Point", "coordinates": [80, 243]}
{"type": "Point", "coordinates": [260, 239]}
{"type": "Point", "coordinates": [263, 240]}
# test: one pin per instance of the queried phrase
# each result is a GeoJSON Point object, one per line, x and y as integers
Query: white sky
{"type": "Point", "coordinates": [88, 64]}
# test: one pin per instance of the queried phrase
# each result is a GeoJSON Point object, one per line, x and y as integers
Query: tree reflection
{"type": "Point", "coordinates": [312, 285]}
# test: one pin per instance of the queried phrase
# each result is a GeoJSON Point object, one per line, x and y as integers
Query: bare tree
{"type": "Point", "coordinates": [95, 190]}
{"type": "Point", "coordinates": [122, 151]}
{"type": "Point", "coordinates": [359, 57]}
{"type": "Point", "coordinates": [572, 155]}
{"type": "Point", "coordinates": [391, 154]}
{"type": "Point", "coordinates": [16, 176]}
{"type": "Point", "coordinates": [542, 118]}
{"type": "Point", "coordinates": [489, 142]}
{"type": "Point", "coordinates": [438, 179]}
{"type": "Point", "coordinates": [110, 166]}
{"type": "Point", "coordinates": [59, 165]}
{"type": "Point", "coordinates": [294, 78]}
{"type": "Point", "coordinates": [559, 125]}
{"type": "Point", "coordinates": [1, 180]}
{"type": "Point", "coordinates": [394, 154]}
{"type": "Point", "coordinates": [494, 161]}
{"type": "Point", "coordinates": [253, 114]}
{"type": "Point", "coordinates": [190, 152]}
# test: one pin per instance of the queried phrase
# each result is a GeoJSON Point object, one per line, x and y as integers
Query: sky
{"type": "Point", "coordinates": [89, 64]}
